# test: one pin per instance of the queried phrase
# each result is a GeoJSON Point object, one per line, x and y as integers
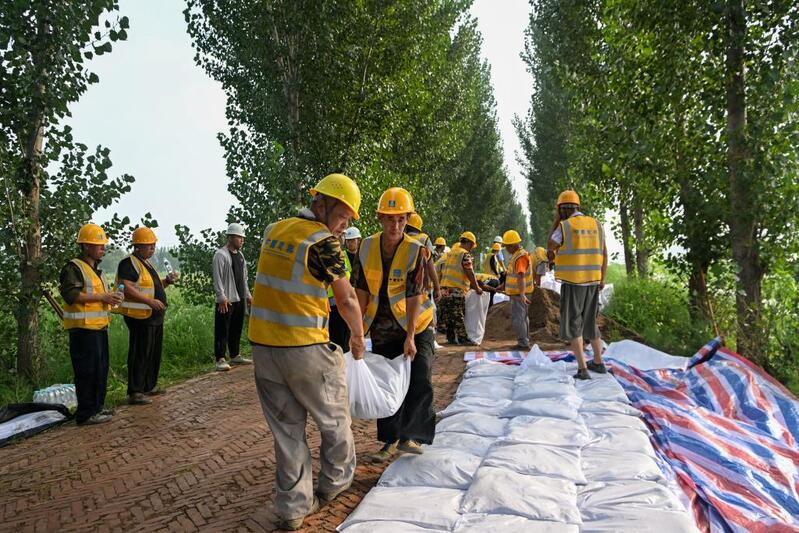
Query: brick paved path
{"type": "Point", "coordinates": [199, 458]}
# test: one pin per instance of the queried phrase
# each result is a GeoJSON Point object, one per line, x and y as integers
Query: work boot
{"type": "Point", "coordinates": [410, 446]}
{"type": "Point", "coordinates": [599, 368]}
{"type": "Point", "coordinates": [294, 524]}
{"type": "Point", "coordinates": [451, 340]}
{"type": "Point", "coordinates": [582, 373]}
{"type": "Point", "coordinates": [239, 360]}
{"type": "Point", "coordinates": [137, 398]}
{"type": "Point", "coordinates": [155, 392]}
{"type": "Point", "coordinates": [222, 365]}
{"type": "Point", "coordinates": [385, 453]}
{"type": "Point", "coordinates": [98, 418]}
{"type": "Point", "coordinates": [327, 497]}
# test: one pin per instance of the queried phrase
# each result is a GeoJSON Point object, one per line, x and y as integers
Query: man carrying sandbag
{"type": "Point", "coordinates": [297, 369]}
{"type": "Point", "coordinates": [398, 314]}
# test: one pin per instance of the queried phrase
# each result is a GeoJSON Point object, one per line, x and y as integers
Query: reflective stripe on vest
{"type": "Point", "coordinates": [144, 285]}
{"type": "Point", "coordinates": [402, 264]}
{"type": "Point", "coordinates": [289, 306]}
{"type": "Point", "coordinates": [452, 274]}
{"type": "Point", "coordinates": [580, 257]}
{"type": "Point", "coordinates": [87, 315]}
{"type": "Point", "coordinates": [487, 265]}
{"type": "Point", "coordinates": [512, 285]}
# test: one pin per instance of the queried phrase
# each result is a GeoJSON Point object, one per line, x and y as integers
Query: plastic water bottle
{"type": "Point", "coordinates": [168, 266]}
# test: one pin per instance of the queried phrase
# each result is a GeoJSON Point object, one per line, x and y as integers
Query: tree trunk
{"type": "Point", "coordinates": [624, 216]}
{"type": "Point", "coordinates": [743, 202]}
{"type": "Point", "coordinates": [641, 250]}
{"type": "Point", "coordinates": [697, 291]}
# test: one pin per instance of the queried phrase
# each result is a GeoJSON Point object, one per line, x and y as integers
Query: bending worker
{"type": "Point", "coordinates": [518, 286]}
{"type": "Point", "coordinates": [457, 276]}
{"type": "Point", "coordinates": [577, 243]}
{"type": "Point", "coordinates": [494, 267]}
{"type": "Point", "coordinates": [398, 314]}
{"type": "Point", "coordinates": [297, 369]}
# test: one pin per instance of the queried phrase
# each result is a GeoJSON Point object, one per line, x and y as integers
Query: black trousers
{"type": "Point", "coordinates": [88, 350]}
{"type": "Point", "coordinates": [339, 330]}
{"type": "Point", "coordinates": [227, 329]}
{"type": "Point", "coordinates": [416, 419]}
{"type": "Point", "coordinates": [145, 343]}
{"type": "Point", "coordinates": [494, 283]}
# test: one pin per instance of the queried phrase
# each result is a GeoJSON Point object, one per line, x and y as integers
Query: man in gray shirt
{"type": "Point", "coordinates": [230, 287]}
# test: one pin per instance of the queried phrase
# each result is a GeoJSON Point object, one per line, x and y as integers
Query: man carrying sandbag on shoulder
{"type": "Point", "coordinates": [298, 371]}
{"type": "Point", "coordinates": [398, 314]}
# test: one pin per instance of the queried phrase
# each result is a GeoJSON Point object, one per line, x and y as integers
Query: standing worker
{"type": "Point", "coordinates": [297, 369]}
{"type": "Point", "coordinates": [457, 276]}
{"type": "Point", "coordinates": [144, 309]}
{"type": "Point", "coordinates": [577, 243]}
{"type": "Point", "coordinates": [352, 241]}
{"type": "Point", "coordinates": [440, 246]}
{"type": "Point", "coordinates": [229, 270]}
{"type": "Point", "coordinates": [518, 286]}
{"type": "Point", "coordinates": [86, 318]}
{"type": "Point", "coordinates": [398, 314]}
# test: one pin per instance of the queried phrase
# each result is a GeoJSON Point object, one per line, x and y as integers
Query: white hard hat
{"type": "Point", "coordinates": [352, 233]}
{"type": "Point", "coordinates": [236, 229]}
{"type": "Point", "coordinates": [498, 239]}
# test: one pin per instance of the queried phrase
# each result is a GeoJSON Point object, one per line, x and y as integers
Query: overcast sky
{"type": "Point", "coordinates": [159, 113]}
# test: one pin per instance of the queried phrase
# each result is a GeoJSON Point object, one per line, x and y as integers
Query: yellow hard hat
{"type": "Point", "coordinates": [469, 236]}
{"type": "Point", "coordinates": [440, 242]}
{"type": "Point", "coordinates": [511, 237]}
{"type": "Point", "coordinates": [395, 201]}
{"type": "Point", "coordinates": [144, 235]}
{"type": "Point", "coordinates": [540, 255]}
{"type": "Point", "coordinates": [341, 188]}
{"type": "Point", "coordinates": [415, 220]}
{"type": "Point", "coordinates": [568, 197]}
{"type": "Point", "coordinates": [92, 234]}
{"type": "Point", "coordinates": [496, 247]}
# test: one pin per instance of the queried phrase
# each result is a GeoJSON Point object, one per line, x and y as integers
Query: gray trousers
{"type": "Point", "coordinates": [520, 320]}
{"type": "Point", "coordinates": [292, 383]}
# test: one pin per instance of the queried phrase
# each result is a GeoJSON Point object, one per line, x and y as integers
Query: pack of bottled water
{"type": "Point", "coordinates": [63, 393]}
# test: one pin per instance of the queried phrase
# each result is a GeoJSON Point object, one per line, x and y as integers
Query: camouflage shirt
{"type": "Point", "coordinates": [324, 258]}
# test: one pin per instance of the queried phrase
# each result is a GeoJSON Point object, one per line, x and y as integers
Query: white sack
{"type": "Point", "coordinates": [610, 421]}
{"type": "Point", "coordinates": [546, 430]}
{"type": "Point", "coordinates": [543, 389]}
{"type": "Point", "coordinates": [474, 444]}
{"type": "Point", "coordinates": [475, 424]}
{"type": "Point", "coordinates": [608, 465]}
{"type": "Point", "coordinates": [475, 404]}
{"type": "Point", "coordinates": [489, 368]}
{"type": "Point", "coordinates": [388, 526]}
{"type": "Point", "coordinates": [555, 407]}
{"type": "Point", "coordinates": [604, 388]}
{"type": "Point", "coordinates": [610, 407]}
{"type": "Point", "coordinates": [538, 460]}
{"type": "Point", "coordinates": [376, 385]}
{"type": "Point", "coordinates": [605, 295]}
{"type": "Point", "coordinates": [499, 388]}
{"type": "Point", "coordinates": [641, 520]}
{"type": "Point", "coordinates": [499, 491]}
{"type": "Point", "coordinates": [605, 499]}
{"type": "Point", "coordinates": [422, 506]}
{"type": "Point", "coordinates": [542, 375]}
{"type": "Point", "coordinates": [502, 523]}
{"type": "Point", "coordinates": [474, 315]}
{"type": "Point", "coordinates": [622, 441]}
{"type": "Point", "coordinates": [535, 359]}
{"type": "Point", "coordinates": [643, 357]}
{"type": "Point", "coordinates": [437, 467]}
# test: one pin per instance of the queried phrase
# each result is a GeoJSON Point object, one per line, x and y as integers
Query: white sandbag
{"type": "Point", "coordinates": [605, 295]}
{"type": "Point", "coordinates": [546, 430]}
{"type": "Point", "coordinates": [388, 526]}
{"type": "Point", "coordinates": [604, 499]}
{"type": "Point", "coordinates": [500, 491]}
{"type": "Point", "coordinates": [622, 441]}
{"type": "Point", "coordinates": [543, 389]}
{"type": "Point", "coordinates": [490, 368]}
{"type": "Point", "coordinates": [475, 404]}
{"type": "Point", "coordinates": [377, 385]}
{"type": "Point", "coordinates": [538, 460]}
{"type": "Point", "coordinates": [601, 388]}
{"type": "Point", "coordinates": [474, 315]}
{"type": "Point", "coordinates": [474, 444]}
{"type": "Point", "coordinates": [642, 520]}
{"type": "Point", "coordinates": [565, 408]}
{"type": "Point", "coordinates": [609, 407]}
{"type": "Point", "coordinates": [501, 523]}
{"type": "Point", "coordinates": [609, 421]}
{"type": "Point", "coordinates": [608, 465]}
{"type": "Point", "coordinates": [475, 424]}
{"type": "Point", "coordinates": [443, 468]}
{"type": "Point", "coordinates": [428, 507]}
{"type": "Point", "coordinates": [498, 388]}
{"type": "Point", "coordinates": [542, 375]}
{"type": "Point", "coordinates": [643, 357]}
{"type": "Point", "coordinates": [535, 359]}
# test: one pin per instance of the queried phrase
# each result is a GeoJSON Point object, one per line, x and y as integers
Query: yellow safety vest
{"type": "Point", "coordinates": [579, 258]}
{"type": "Point", "coordinates": [330, 298]}
{"type": "Point", "coordinates": [89, 315]}
{"type": "Point", "coordinates": [512, 285]}
{"type": "Point", "coordinates": [540, 256]}
{"type": "Point", "coordinates": [487, 265]}
{"type": "Point", "coordinates": [144, 285]}
{"type": "Point", "coordinates": [289, 305]}
{"type": "Point", "coordinates": [404, 260]}
{"type": "Point", "coordinates": [452, 274]}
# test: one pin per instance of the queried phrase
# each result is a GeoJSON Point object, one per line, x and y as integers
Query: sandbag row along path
{"type": "Point", "coordinates": [200, 458]}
